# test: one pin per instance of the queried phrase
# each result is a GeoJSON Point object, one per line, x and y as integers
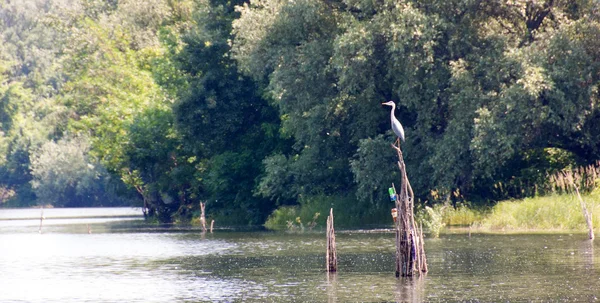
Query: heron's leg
{"type": "Point", "coordinates": [397, 143]}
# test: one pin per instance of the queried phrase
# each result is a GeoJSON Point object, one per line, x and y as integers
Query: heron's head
{"type": "Point", "coordinates": [389, 103]}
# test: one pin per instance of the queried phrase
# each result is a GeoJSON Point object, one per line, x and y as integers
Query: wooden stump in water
{"type": "Point", "coordinates": [410, 248]}
{"type": "Point", "coordinates": [331, 255]}
{"type": "Point", "coordinates": [212, 223]}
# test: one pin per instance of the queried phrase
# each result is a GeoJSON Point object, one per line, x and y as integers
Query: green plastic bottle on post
{"type": "Point", "coordinates": [392, 194]}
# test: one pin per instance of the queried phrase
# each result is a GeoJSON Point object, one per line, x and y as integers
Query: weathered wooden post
{"type": "Point", "coordinates": [202, 216]}
{"type": "Point", "coordinates": [423, 257]}
{"type": "Point", "coordinates": [212, 223]}
{"type": "Point", "coordinates": [41, 220]}
{"type": "Point", "coordinates": [331, 254]}
{"type": "Point", "coordinates": [586, 214]}
{"type": "Point", "coordinates": [410, 249]}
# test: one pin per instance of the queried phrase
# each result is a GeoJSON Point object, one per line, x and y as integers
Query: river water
{"type": "Point", "coordinates": [111, 255]}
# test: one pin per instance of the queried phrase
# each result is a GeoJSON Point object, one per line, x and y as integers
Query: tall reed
{"type": "Point", "coordinates": [584, 177]}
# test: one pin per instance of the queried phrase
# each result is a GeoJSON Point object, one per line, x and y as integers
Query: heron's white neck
{"type": "Point", "coordinates": [392, 112]}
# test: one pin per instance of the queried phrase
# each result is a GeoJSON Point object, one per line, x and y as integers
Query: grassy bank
{"type": "Point", "coordinates": [558, 212]}
{"type": "Point", "coordinates": [555, 212]}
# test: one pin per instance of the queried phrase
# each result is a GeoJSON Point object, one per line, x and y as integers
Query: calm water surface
{"type": "Point", "coordinates": [125, 260]}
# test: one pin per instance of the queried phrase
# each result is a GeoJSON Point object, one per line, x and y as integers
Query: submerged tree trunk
{"type": "Point", "coordinates": [410, 249]}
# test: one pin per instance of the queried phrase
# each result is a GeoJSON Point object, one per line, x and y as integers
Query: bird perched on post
{"type": "Point", "coordinates": [396, 126]}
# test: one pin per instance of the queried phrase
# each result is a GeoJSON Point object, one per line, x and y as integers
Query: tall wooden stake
{"type": "Point", "coordinates": [586, 214]}
{"type": "Point", "coordinates": [331, 255]}
{"type": "Point", "coordinates": [410, 249]}
{"type": "Point", "coordinates": [41, 220]}
{"type": "Point", "coordinates": [202, 216]}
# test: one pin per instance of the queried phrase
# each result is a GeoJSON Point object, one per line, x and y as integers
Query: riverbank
{"type": "Point", "coordinates": [556, 212]}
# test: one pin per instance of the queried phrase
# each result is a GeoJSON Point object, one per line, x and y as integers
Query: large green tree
{"type": "Point", "coordinates": [224, 118]}
{"type": "Point", "coordinates": [160, 168]}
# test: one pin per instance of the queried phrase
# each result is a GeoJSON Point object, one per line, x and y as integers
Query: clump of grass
{"type": "Point", "coordinates": [555, 212]}
{"type": "Point", "coordinates": [298, 225]}
{"type": "Point", "coordinates": [462, 215]}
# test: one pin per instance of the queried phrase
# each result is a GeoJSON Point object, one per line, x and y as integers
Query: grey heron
{"type": "Point", "coordinates": [396, 126]}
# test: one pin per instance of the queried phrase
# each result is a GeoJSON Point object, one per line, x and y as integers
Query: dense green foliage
{"type": "Point", "coordinates": [486, 90]}
{"type": "Point", "coordinates": [252, 105]}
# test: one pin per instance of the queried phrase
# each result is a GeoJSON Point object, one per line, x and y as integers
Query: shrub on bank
{"type": "Point", "coordinates": [461, 215]}
{"type": "Point", "coordinates": [279, 218]}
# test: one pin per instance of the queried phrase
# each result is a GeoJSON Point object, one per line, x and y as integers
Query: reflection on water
{"type": "Point", "coordinates": [56, 213]}
{"type": "Point", "coordinates": [129, 261]}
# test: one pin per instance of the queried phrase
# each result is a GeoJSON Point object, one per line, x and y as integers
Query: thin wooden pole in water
{"type": "Point", "coordinates": [212, 223]}
{"type": "Point", "coordinates": [202, 216]}
{"type": "Point", "coordinates": [586, 214]}
{"type": "Point", "coordinates": [331, 254]}
{"type": "Point", "coordinates": [41, 220]}
{"type": "Point", "coordinates": [423, 266]}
